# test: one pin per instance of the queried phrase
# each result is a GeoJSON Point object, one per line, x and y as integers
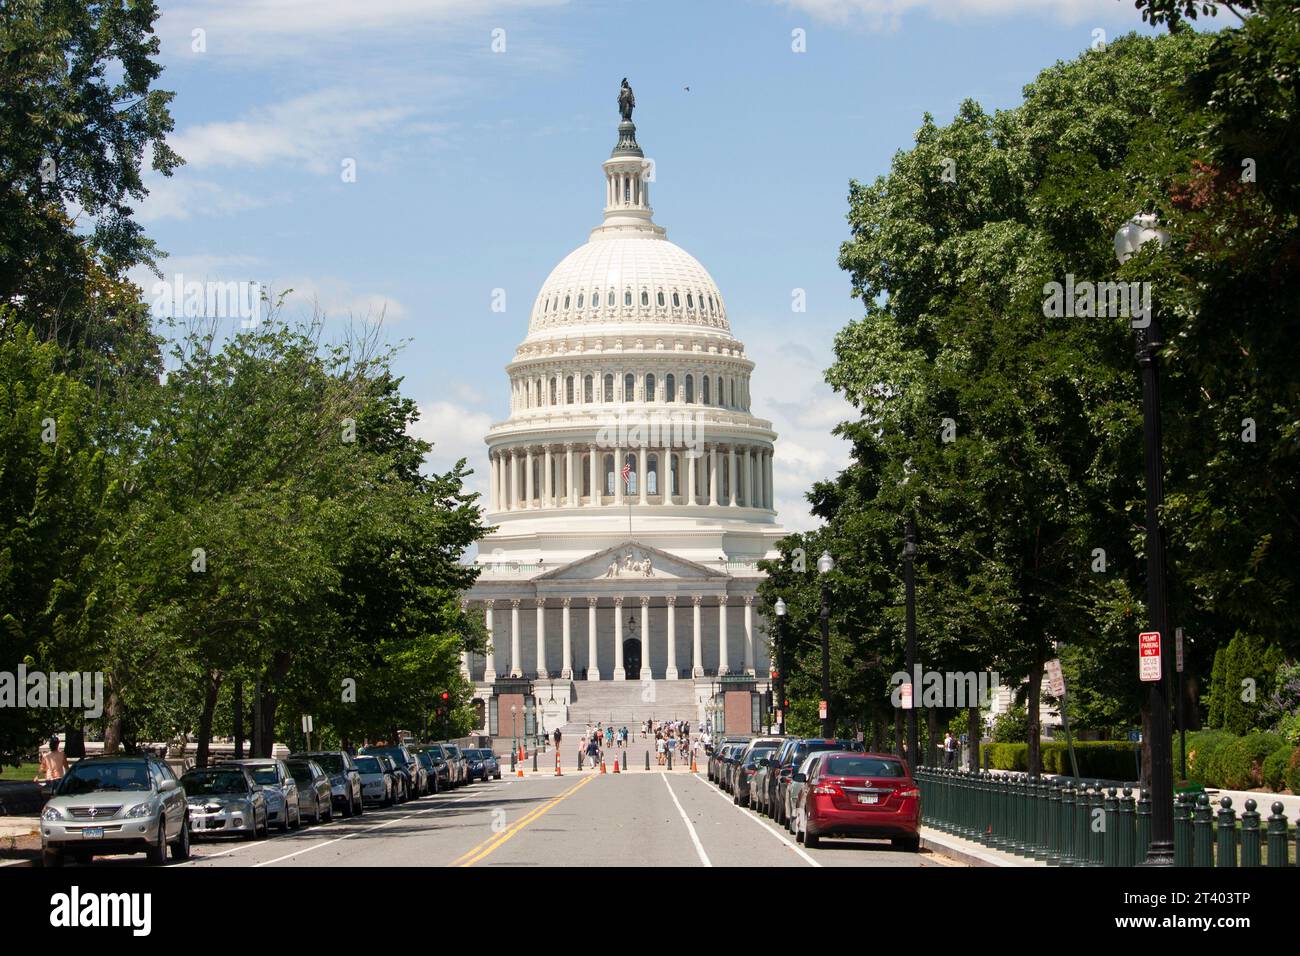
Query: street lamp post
{"type": "Point", "coordinates": [1130, 237]}
{"type": "Point", "coordinates": [909, 596]}
{"type": "Point", "coordinates": [825, 564]}
{"type": "Point", "coordinates": [514, 730]}
{"type": "Point", "coordinates": [780, 666]}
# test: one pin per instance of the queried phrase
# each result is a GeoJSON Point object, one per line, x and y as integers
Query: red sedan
{"type": "Point", "coordinates": [857, 794]}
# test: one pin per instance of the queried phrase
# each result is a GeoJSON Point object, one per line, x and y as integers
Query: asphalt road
{"type": "Point", "coordinates": [630, 819]}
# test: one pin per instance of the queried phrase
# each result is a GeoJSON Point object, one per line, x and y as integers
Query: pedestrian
{"type": "Point", "coordinates": [659, 749]}
{"type": "Point", "coordinates": [557, 738]}
{"type": "Point", "coordinates": [54, 764]}
{"type": "Point", "coordinates": [949, 749]}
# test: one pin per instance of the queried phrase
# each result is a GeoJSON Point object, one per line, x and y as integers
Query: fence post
{"type": "Point", "coordinates": [1042, 791]}
{"type": "Point", "coordinates": [1068, 793]}
{"type": "Point", "coordinates": [1250, 835]}
{"type": "Point", "coordinates": [1143, 839]}
{"type": "Point", "coordinates": [1082, 835]}
{"type": "Point", "coordinates": [1203, 832]}
{"type": "Point", "coordinates": [1128, 840]}
{"type": "Point", "coordinates": [1227, 833]}
{"type": "Point", "coordinates": [1277, 837]}
{"type": "Point", "coordinates": [1182, 831]}
{"type": "Point", "coordinates": [1097, 822]}
{"type": "Point", "coordinates": [1110, 839]}
{"type": "Point", "coordinates": [1054, 822]}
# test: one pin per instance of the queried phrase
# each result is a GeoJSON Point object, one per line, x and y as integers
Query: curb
{"type": "Point", "coordinates": [969, 853]}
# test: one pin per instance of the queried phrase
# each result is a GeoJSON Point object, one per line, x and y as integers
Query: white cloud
{"type": "Point", "coordinates": [456, 431]}
{"type": "Point", "coordinates": [889, 14]}
{"type": "Point", "coordinates": [182, 196]}
{"type": "Point", "coordinates": [336, 298]}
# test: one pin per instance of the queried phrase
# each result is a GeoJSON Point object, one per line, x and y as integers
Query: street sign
{"type": "Point", "coordinates": [905, 695]}
{"type": "Point", "coordinates": [1178, 650]}
{"type": "Point", "coordinates": [1149, 656]}
{"type": "Point", "coordinates": [821, 710]}
{"type": "Point", "coordinates": [307, 724]}
{"type": "Point", "coordinates": [1055, 679]}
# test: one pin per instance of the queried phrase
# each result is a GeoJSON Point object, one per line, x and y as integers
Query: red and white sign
{"type": "Point", "coordinates": [1149, 656]}
{"type": "Point", "coordinates": [1055, 679]}
{"type": "Point", "coordinates": [905, 695]}
{"type": "Point", "coordinates": [821, 710]}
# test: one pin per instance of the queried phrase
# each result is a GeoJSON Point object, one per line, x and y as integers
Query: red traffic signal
{"type": "Point", "coordinates": [446, 696]}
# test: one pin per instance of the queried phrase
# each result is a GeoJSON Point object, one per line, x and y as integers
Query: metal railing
{"type": "Point", "coordinates": [1063, 821]}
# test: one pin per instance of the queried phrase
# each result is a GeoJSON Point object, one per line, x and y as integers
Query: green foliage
{"type": "Point", "coordinates": [1246, 674]}
{"type": "Point", "coordinates": [1275, 767]}
{"type": "Point", "coordinates": [1012, 726]}
{"type": "Point", "coordinates": [1107, 759]}
{"type": "Point", "coordinates": [1238, 764]}
{"type": "Point", "coordinates": [1201, 748]}
{"type": "Point", "coordinates": [1293, 772]}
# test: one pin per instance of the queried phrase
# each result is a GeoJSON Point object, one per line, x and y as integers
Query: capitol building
{"type": "Point", "coordinates": [630, 488]}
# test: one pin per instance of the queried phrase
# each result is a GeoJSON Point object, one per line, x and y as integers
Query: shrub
{"type": "Point", "coordinates": [1238, 764]}
{"type": "Point", "coordinates": [1293, 772]}
{"type": "Point", "coordinates": [1275, 766]}
{"type": "Point", "coordinates": [1201, 747]}
{"type": "Point", "coordinates": [1012, 726]}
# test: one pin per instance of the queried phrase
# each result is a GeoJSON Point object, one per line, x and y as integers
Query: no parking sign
{"type": "Point", "coordinates": [1149, 656]}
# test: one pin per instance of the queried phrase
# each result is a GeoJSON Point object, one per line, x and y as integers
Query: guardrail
{"type": "Point", "coordinates": [1064, 821]}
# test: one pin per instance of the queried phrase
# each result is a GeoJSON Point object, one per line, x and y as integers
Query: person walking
{"type": "Point", "coordinates": [54, 764]}
{"type": "Point", "coordinates": [949, 749]}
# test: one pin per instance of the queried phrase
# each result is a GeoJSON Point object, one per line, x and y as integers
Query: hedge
{"type": "Point", "coordinates": [1238, 764]}
{"type": "Point", "coordinates": [1293, 772]}
{"type": "Point", "coordinates": [1201, 746]}
{"type": "Point", "coordinates": [1275, 767]}
{"type": "Point", "coordinates": [1108, 759]}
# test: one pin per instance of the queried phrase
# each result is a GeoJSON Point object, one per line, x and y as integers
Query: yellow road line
{"type": "Point", "coordinates": [491, 844]}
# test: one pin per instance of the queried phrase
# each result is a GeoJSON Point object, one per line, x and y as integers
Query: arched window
{"type": "Point", "coordinates": [652, 475]}
{"type": "Point", "coordinates": [546, 306]}
{"type": "Point", "coordinates": [627, 297]}
{"type": "Point", "coordinates": [704, 385]}
{"type": "Point", "coordinates": [645, 297]}
{"type": "Point", "coordinates": [609, 300]}
{"type": "Point", "coordinates": [720, 390]}
{"type": "Point", "coordinates": [586, 390]}
{"type": "Point", "coordinates": [555, 400]}
{"type": "Point", "coordinates": [568, 390]}
{"type": "Point", "coordinates": [629, 387]}
{"type": "Point", "coordinates": [690, 389]}
{"type": "Point", "coordinates": [673, 461]}
{"type": "Point", "coordinates": [633, 488]}
{"type": "Point", "coordinates": [677, 301]}
{"type": "Point", "coordinates": [650, 388]}
{"type": "Point", "coordinates": [732, 382]}
{"type": "Point", "coordinates": [670, 387]}
{"type": "Point", "coordinates": [660, 299]}
{"type": "Point", "coordinates": [580, 300]}
{"type": "Point", "coordinates": [690, 301]}
{"type": "Point", "coordinates": [585, 462]}
{"type": "Point", "coordinates": [726, 480]}
{"type": "Point", "coordinates": [566, 301]}
{"type": "Point", "coordinates": [609, 388]}
{"type": "Point", "coordinates": [609, 474]}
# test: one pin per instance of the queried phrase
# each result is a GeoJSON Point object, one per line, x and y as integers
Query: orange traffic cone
{"type": "Point", "coordinates": [616, 765]}
{"type": "Point", "coordinates": [558, 771]}
{"type": "Point", "coordinates": [602, 764]}
{"type": "Point", "coordinates": [519, 771]}
{"type": "Point", "coordinates": [694, 769]}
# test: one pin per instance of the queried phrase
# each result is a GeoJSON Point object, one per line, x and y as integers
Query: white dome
{"type": "Point", "coordinates": [620, 278]}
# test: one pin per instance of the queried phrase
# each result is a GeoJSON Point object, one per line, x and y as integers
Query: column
{"type": "Point", "coordinates": [464, 655]}
{"type": "Point", "coordinates": [672, 637]}
{"type": "Point", "coordinates": [732, 484]}
{"type": "Point", "coordinates": [528, 479]}
{"type": "Point", "coordinates": [594, 500]}
{"type": "Point", "coordinates": [618, 476]}
{"type": "Point", "coordinates": [541, 638]}
{"type": "Point", "coordinates": [697, 645]}
{"type": "Point", "coordinates": [566, 667]}
{"type": "Point", "coordinates": [771, 490]}
{"type": "Point", "coordinates": [690, 479]}
{"type": "Point", "coordinates": [619, 673]}
{"type": "Point", "coordinates": [713, 475]}
{"type": "Point", "coordinates": [724, 665]}
{"type": "Point", "coordinates": [516, 665]}
{"type": "Point", "coordinates": [749, 633]}
{"type": "Point", "coordinates": [512, 493]}
{"type": "Point", "coordinates": [641, 477]}
{"type": "Point", "coordinates": [548, 482]}
{"type": "Point", "coordinates": [492, 482]}
{"type": "Point", "coordinates": [490, 667]}
{"type": "Point", "coordinates": [569, 486]}
{"type": "Point", "coordinates": [646, 673]}
{"type": "Point", "coordinates": [593, 666]}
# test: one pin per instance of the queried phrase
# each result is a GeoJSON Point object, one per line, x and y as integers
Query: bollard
{"type": "Point", "coordinates": [1202, 832]}
{"type": "Point", "coordinates": [1250, 835]}
{"type": "Point", "coordinates": [1227, 834]}
{"type": "Point", "coordinates": [670, 760]}
{"type": "Point", "coordinates": [534, 761]}
{"type": "Point", "coordinates": [1127, 841]}
{"type": "Point", "coordinates": [1082, 833]}
{"type": "Point", "coordinates": [1054, 823]}
{"type": "Point", "coordinates": [558, 771]}
{"type": "Point", "coordinates": [512, 761]}
{"type": "Point", "coordinates": [1042, 813]}
{"type": "Point", "coordinates": [1097, 826]}
{"type": "Point", "coordinates": [647, 760]}
{"type": "Point", "coordinates": [1277, 837]}
{"type": "Point", "coordinates": [1110, 838]}
{"type": "Point", "coordinates": [1182, 831]}
{"type": "Point", "coordinates": [1142, 840]}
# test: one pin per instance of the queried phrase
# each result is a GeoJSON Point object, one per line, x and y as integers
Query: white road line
{"type": "Point", "coordinates": [749, 816]}
{"type": "Point", "coordinates": [695, 838]}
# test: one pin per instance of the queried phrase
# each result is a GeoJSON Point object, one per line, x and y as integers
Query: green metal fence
{"type": "Point", "coordinates": [1065, 821]}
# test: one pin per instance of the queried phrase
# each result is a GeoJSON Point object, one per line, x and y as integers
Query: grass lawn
{"type": "Point", "coordinates": [23, 772]}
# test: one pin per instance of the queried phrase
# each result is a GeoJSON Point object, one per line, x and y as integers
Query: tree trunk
{"type": "Point", "coordinates": [932, 736]}
{"type": "Point", "coordinates": [205, 719]}
{"type": "Point", "coordinates": [973, 734]}
{"type": "Point", "coordinates": [899, 742]}
{"type": "Point", "coordinates": [112, 721]}
{"type": "Point", "coordinates": [1033, 706]}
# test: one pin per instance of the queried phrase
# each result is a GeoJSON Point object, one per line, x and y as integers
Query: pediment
{"type": "Point", "coordinates": [631, 561]}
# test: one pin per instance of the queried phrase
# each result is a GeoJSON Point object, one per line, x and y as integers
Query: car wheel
{"type": "Point", "coordinates": [265, 831]}
{"type": "Point", "coordinates": [358, 808]}
{"type": "Point", "coordinates": [910, 844]}
{"type": "Point", "coordinates": [283, 825]}
{"type": "Point", "coordinates": [181, 848]}
{"type": "Point", "coordinates": [51, 858]}
{"type": "Point", "coordinates": [329, 813]}
{"type": "Point", "coordinates": [157, 854]}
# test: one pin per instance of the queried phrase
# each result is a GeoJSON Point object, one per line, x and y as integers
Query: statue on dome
{"type": "Point", "coordinates": [626, 101]}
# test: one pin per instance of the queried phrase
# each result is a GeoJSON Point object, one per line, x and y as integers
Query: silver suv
{"type": "Point", "coordinates": [115, 804]}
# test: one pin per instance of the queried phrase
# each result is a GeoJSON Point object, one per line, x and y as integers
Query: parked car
{"type": "Point", "coordinates": [858, 794]}
{"type": "Point", "coordinates": [401, 779]}
{"type": "Point", "coordinates": [416, 782]}
{"type": "Point", "coordinates": [345, 781]}
{"type": "Point", "coordinates": [727, 764]}
{"type": "Point", "coordinates": [483, 764]}
{"type": "Point", "coordinates": [425, 760]}
{"type": "Point", "coordinates": [715, 755]}
{"type": "Point", "coordinates": [281, 791]}
{"type": "Point", "coordinates": [442, 768]}
{"type": "Point", "coordinates": [225, 800]}
{"type": "Point", "coordinates": [776, 780]}
{"type": "Point", "coordinates": [746, 766]}
{"type": "Point", "coordinates": [314, 792]}
{"type": "Point", "coordinates": [458, 763]}
{"type": "Point", "coordinates": [115, 804]}
{"type": "Point", "coordinates": [378, 784]}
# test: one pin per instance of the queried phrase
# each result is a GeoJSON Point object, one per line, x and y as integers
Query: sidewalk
{"type": "Point", "coordinates": [971, 853]}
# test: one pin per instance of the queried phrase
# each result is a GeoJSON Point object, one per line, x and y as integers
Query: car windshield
{"type": "Point", "coordinates": [815, 746]}
{"type": "Point", "coordinates": [862, 767]}
{"type": "Point", "coordinates": [452, 752]}
{"type": "Point", "coordinates": [265, 774]}
{"type": "Point", "coordinates": [301, 773]}
{"type": "Point", "coordinates": [330, 763]}
{"type": "Point", "coordinates": [369, 764]}
{"type": "Point", "coordinates": [89, 777]}
{"type": "Point", "coordinates": [396, 754]}
{"type": "Point", "coordinates": [198, 783]}
{"type": "Point", "coordinates": [756, 755]}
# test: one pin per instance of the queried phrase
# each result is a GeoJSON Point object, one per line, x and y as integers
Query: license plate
{"type": "Point", "coordinates": [196, 823]}
{"type": "Point", "coordinates": [92, 833]}
{"type": "Point", "coordinates": [868, 798]}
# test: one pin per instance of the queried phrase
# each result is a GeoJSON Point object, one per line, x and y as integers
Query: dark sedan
{"type": "Point", "coordinates": [345, 781]}
{"type": "Point", "coordinates": [483, 764]}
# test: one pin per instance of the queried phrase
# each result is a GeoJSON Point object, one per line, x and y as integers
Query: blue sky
{"type": "Point", "coordinates": [478, 170]}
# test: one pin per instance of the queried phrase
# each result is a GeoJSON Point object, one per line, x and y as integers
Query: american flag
{"type": "Point", "coordinates": [627, 472]}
